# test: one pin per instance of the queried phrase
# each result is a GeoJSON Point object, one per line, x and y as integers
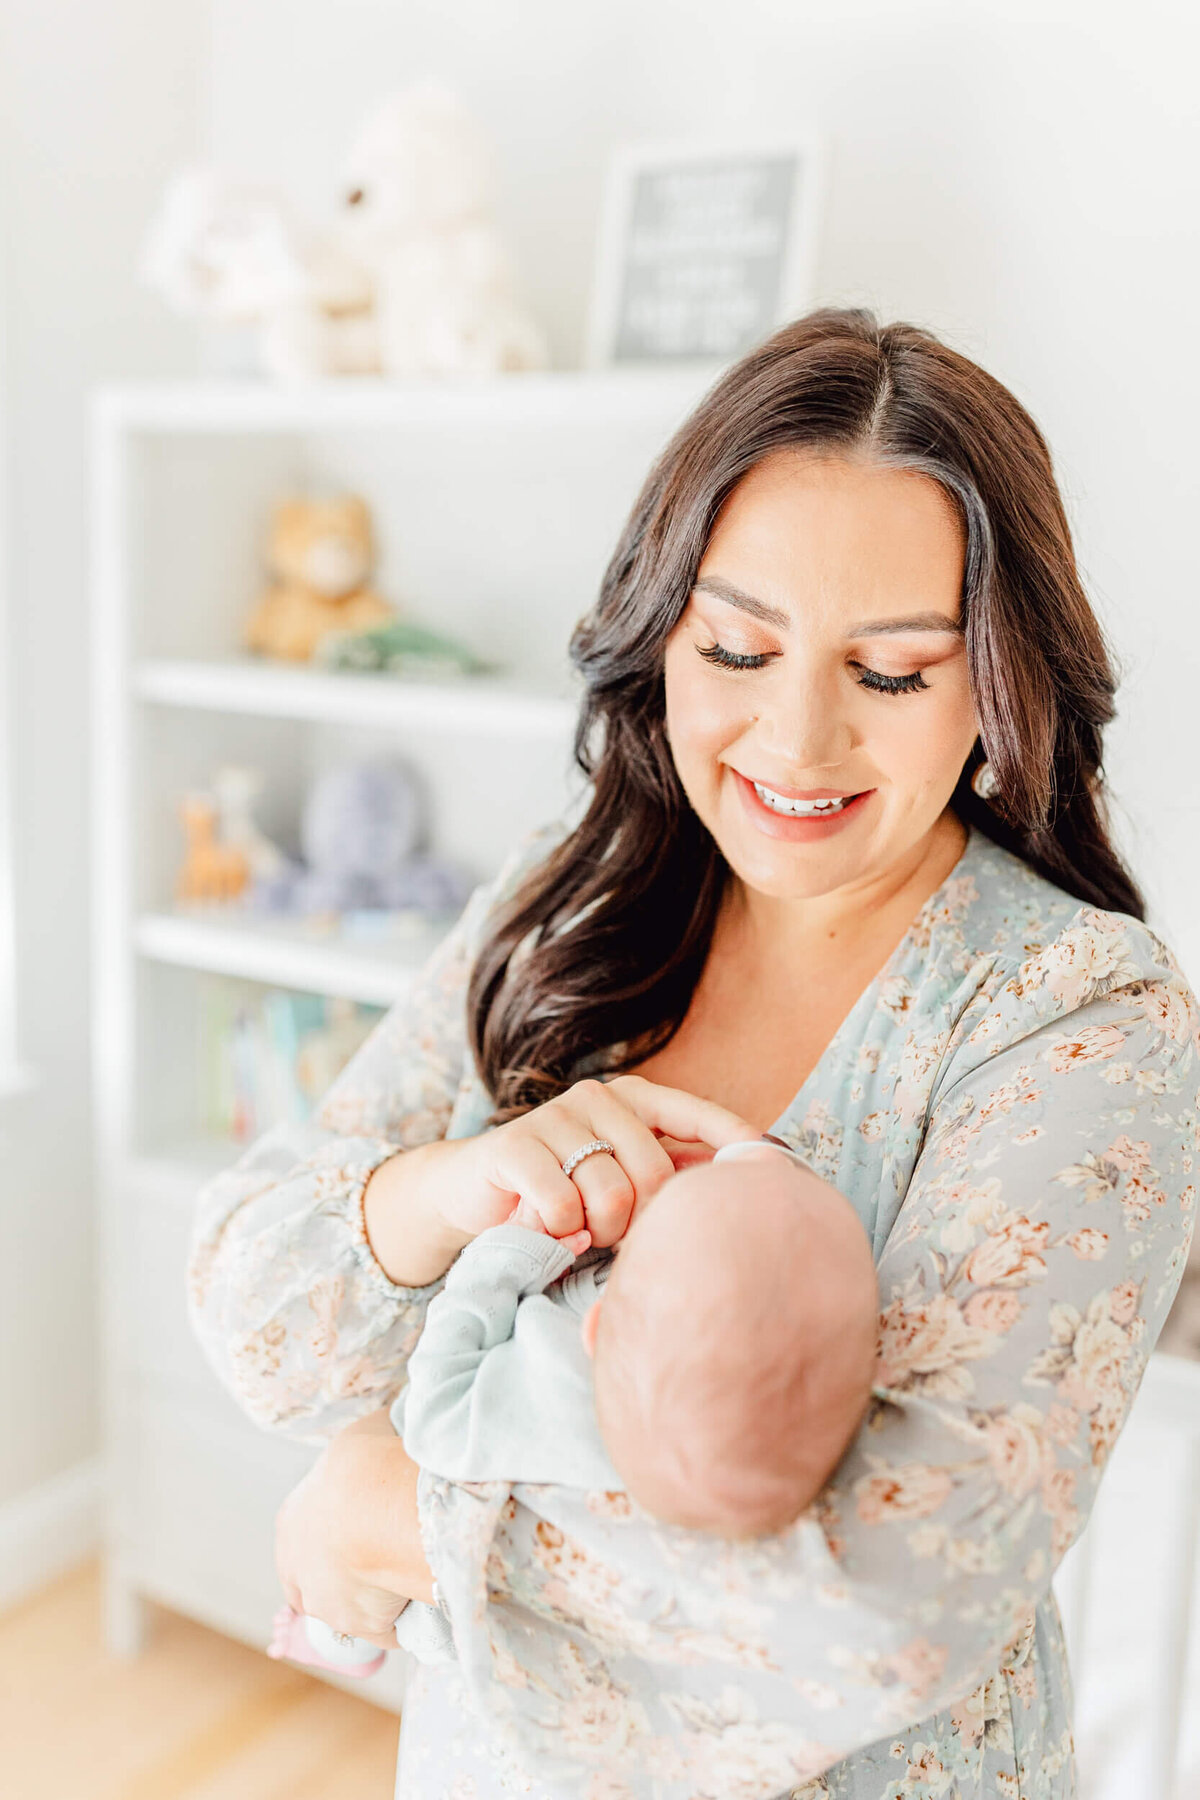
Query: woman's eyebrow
{"type": "Point", "coordinates": [926, 621]}
{"type": "Point", "coordinates": [758, 609]}
{"type": "Point", "coordinates": [771, 615]}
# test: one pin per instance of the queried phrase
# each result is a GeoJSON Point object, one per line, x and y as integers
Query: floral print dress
{"type": "Point", "coordinates": [1011, 1108]}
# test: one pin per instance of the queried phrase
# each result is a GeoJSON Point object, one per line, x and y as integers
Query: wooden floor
{"type": "Point", "coordinates": [196, 1717]}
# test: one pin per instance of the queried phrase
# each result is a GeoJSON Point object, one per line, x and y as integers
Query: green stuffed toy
{"type": "Point", "coordinates": [398, 648]}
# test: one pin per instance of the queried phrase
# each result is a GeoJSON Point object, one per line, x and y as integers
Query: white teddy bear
{"type": "Point", "coordinates": [412, 279]}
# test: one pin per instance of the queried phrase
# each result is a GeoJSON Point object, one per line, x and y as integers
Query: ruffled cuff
{"type": "Point", "coordinates": [354, 1172]}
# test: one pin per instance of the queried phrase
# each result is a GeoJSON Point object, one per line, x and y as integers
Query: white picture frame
{"type": "Point", "coordinates": [704, 248]}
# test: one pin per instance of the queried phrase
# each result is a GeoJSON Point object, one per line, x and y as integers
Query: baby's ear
{"type": "Point", "coordinates": [591, 1324]}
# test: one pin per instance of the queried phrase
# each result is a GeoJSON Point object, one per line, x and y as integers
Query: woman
{"type": "Point", "coordinates": [842, 873]}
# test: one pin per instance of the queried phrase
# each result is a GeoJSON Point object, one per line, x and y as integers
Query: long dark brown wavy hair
{"type": "Point", "coordinates": [639, 881]}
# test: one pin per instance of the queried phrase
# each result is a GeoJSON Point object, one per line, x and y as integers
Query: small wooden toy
{"type": "Point", "coordinates": [211, 870]}
{"type": "Point", "coordinates": [236, 789]}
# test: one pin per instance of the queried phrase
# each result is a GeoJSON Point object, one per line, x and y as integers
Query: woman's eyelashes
{"type": "Point", "coordinates": [729, 659]}
{"type": "Point", "coordinates": [890, 684]}
{"type": "Point", "coordinates": [868, 678]}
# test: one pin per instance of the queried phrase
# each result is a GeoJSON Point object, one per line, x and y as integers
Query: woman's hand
{"type": "Point", "coordinates": [653, 1130]}
{"type": "Point", "coordinates": [347, 1545]}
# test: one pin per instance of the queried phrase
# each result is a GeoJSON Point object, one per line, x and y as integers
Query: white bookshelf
{"type": "Point", "coordinates": [243, 685]}
{"type": "Point", "coordinates": [496, 505]}
{"type": "Point", "coordinates": [283, 954]}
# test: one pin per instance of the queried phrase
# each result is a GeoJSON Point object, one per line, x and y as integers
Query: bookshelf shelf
{"type": "Point", "coordinates": [496, 506]}
{"type": "Point", "coordinates": [480, 706]}
{"type": "Point", "coordinates": [283, 955]}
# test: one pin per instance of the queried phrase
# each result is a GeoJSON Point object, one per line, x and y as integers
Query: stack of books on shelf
{"type": "Point", "coordinates": [268, 1055]}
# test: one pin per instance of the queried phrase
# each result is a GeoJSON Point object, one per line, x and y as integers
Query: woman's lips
{"type": "Point", "coordinates": [799, 830]}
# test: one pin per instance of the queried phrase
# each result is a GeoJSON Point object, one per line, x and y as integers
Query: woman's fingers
{"type": "Point", "coordinates": [597, 1198]}
{"type": "Point", "coordinates": [610, 1183]}
{"type": "Point", "coordinates": [636, 1115]}
{"type": "Point", "coordinates": [367, 1614]}
{"type": "Point", "coordinates": [679, 1114]}
{"type": "Point", "coordinates": [627, 1113]}
{"type": "Point", "coordinates": [347, 1543]}
{"type": "Point", "coordinates": [614, 1185]}
{"type": "Point", "coordinates": [526, 1158]}
{"type": "Point", "coordinates": [606, 1189]}
{"type": "Point", "coordinates": [529, 1169]}
{"type": "Point", "coordinates": [609, 1195]}
{"type": "Point", "coordinates": [685, 1153]}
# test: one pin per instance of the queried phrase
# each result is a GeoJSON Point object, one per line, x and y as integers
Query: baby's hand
{"type": "Point", "coordinates": [528, 1215]}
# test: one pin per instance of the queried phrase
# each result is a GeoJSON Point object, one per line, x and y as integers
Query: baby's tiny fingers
{"type": "Point", "coordinates": [578, 1242]}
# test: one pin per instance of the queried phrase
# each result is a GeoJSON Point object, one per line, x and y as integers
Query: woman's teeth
{"type": "Point", "coordinates": [798, 809]}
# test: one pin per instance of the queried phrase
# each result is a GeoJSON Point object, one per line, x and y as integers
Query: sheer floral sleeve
{"type": "Point", "coordinates": [1028, 1254]}
{"type": "Point", "coordinates": [295, 1314]}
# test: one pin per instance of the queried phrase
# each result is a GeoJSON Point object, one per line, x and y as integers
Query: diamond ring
{"type": "Point", "coordinates": [596, 1147]}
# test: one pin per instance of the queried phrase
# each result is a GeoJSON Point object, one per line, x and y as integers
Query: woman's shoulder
{"type": "Point", "coordinates": [1053, 954]}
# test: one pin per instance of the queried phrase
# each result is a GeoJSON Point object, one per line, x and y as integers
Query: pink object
{"type": "Point", "coordinates": [290, 1641]}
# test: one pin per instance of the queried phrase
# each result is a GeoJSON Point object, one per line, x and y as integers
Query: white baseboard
{"type": "Point", "coordinates": [51, 1528]}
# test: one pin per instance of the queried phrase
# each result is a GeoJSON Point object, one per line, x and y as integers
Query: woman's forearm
{"type": "Point", "coordinates": [385, 1493]}
{"type": "Point", "coordinates": [409, 1571]}
{"type": "Point", "coordinates": [348, 1538]}
{"type": "Point", "coordinates": [411, 1240]}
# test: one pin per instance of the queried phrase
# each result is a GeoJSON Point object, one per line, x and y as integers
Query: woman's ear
{"type": "Point", "coordinates": [591, 1324]}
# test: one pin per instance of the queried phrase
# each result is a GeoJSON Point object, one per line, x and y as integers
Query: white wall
{"type": "Point", "coordinates": [97, 104]}
{"type": "Point", "coordinates": [1023, 175]}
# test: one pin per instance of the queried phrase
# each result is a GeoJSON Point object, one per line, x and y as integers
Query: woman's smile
{"type": "Point", "coordinates": [799, 818]}
{"type": "Point", "coordinates": [818, 704]}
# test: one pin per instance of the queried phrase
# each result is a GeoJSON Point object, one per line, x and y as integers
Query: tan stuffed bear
{"type": "Point", "coordinates": [320, 557]}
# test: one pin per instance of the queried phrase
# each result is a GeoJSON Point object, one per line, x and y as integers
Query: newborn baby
{"type": "Point", "coordinates": [714, 1366]}
{"type": "Point", "coordinates": [734, 1348]}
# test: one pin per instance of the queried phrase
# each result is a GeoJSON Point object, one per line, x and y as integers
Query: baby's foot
{"type": "Point", "coordinates": [304, 1640]}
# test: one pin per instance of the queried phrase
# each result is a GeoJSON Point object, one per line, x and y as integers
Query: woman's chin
{"type": "Point", "coordinates": [785, 871]}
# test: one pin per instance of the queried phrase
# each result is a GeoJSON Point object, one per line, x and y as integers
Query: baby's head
{"type": "Point", "coordinates": [735, 1344]}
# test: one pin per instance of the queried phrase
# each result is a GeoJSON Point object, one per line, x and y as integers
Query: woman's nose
{"type": "Point", "coordinates": [805, 729]}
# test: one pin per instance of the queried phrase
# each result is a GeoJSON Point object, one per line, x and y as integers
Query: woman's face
{"type": "Point", "coordinates": [816, 685]}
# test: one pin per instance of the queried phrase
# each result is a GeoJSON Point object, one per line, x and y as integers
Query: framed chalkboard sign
{"type": "Point", "coordinates": [704, 249]}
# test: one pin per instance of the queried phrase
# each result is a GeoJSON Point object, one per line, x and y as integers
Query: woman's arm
{"type": "Point", "coordinates": [347, 1546]}
{"type": "Point", "coordinates": [412, 1242]}
{"type": "Point", "coordinates": [307, 1309]}
{"type": "Point", "coordinates": [1030, 1269]}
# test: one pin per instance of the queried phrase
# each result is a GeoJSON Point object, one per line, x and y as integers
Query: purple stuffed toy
{"type": "Point", "coordinates": [360, 837]}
